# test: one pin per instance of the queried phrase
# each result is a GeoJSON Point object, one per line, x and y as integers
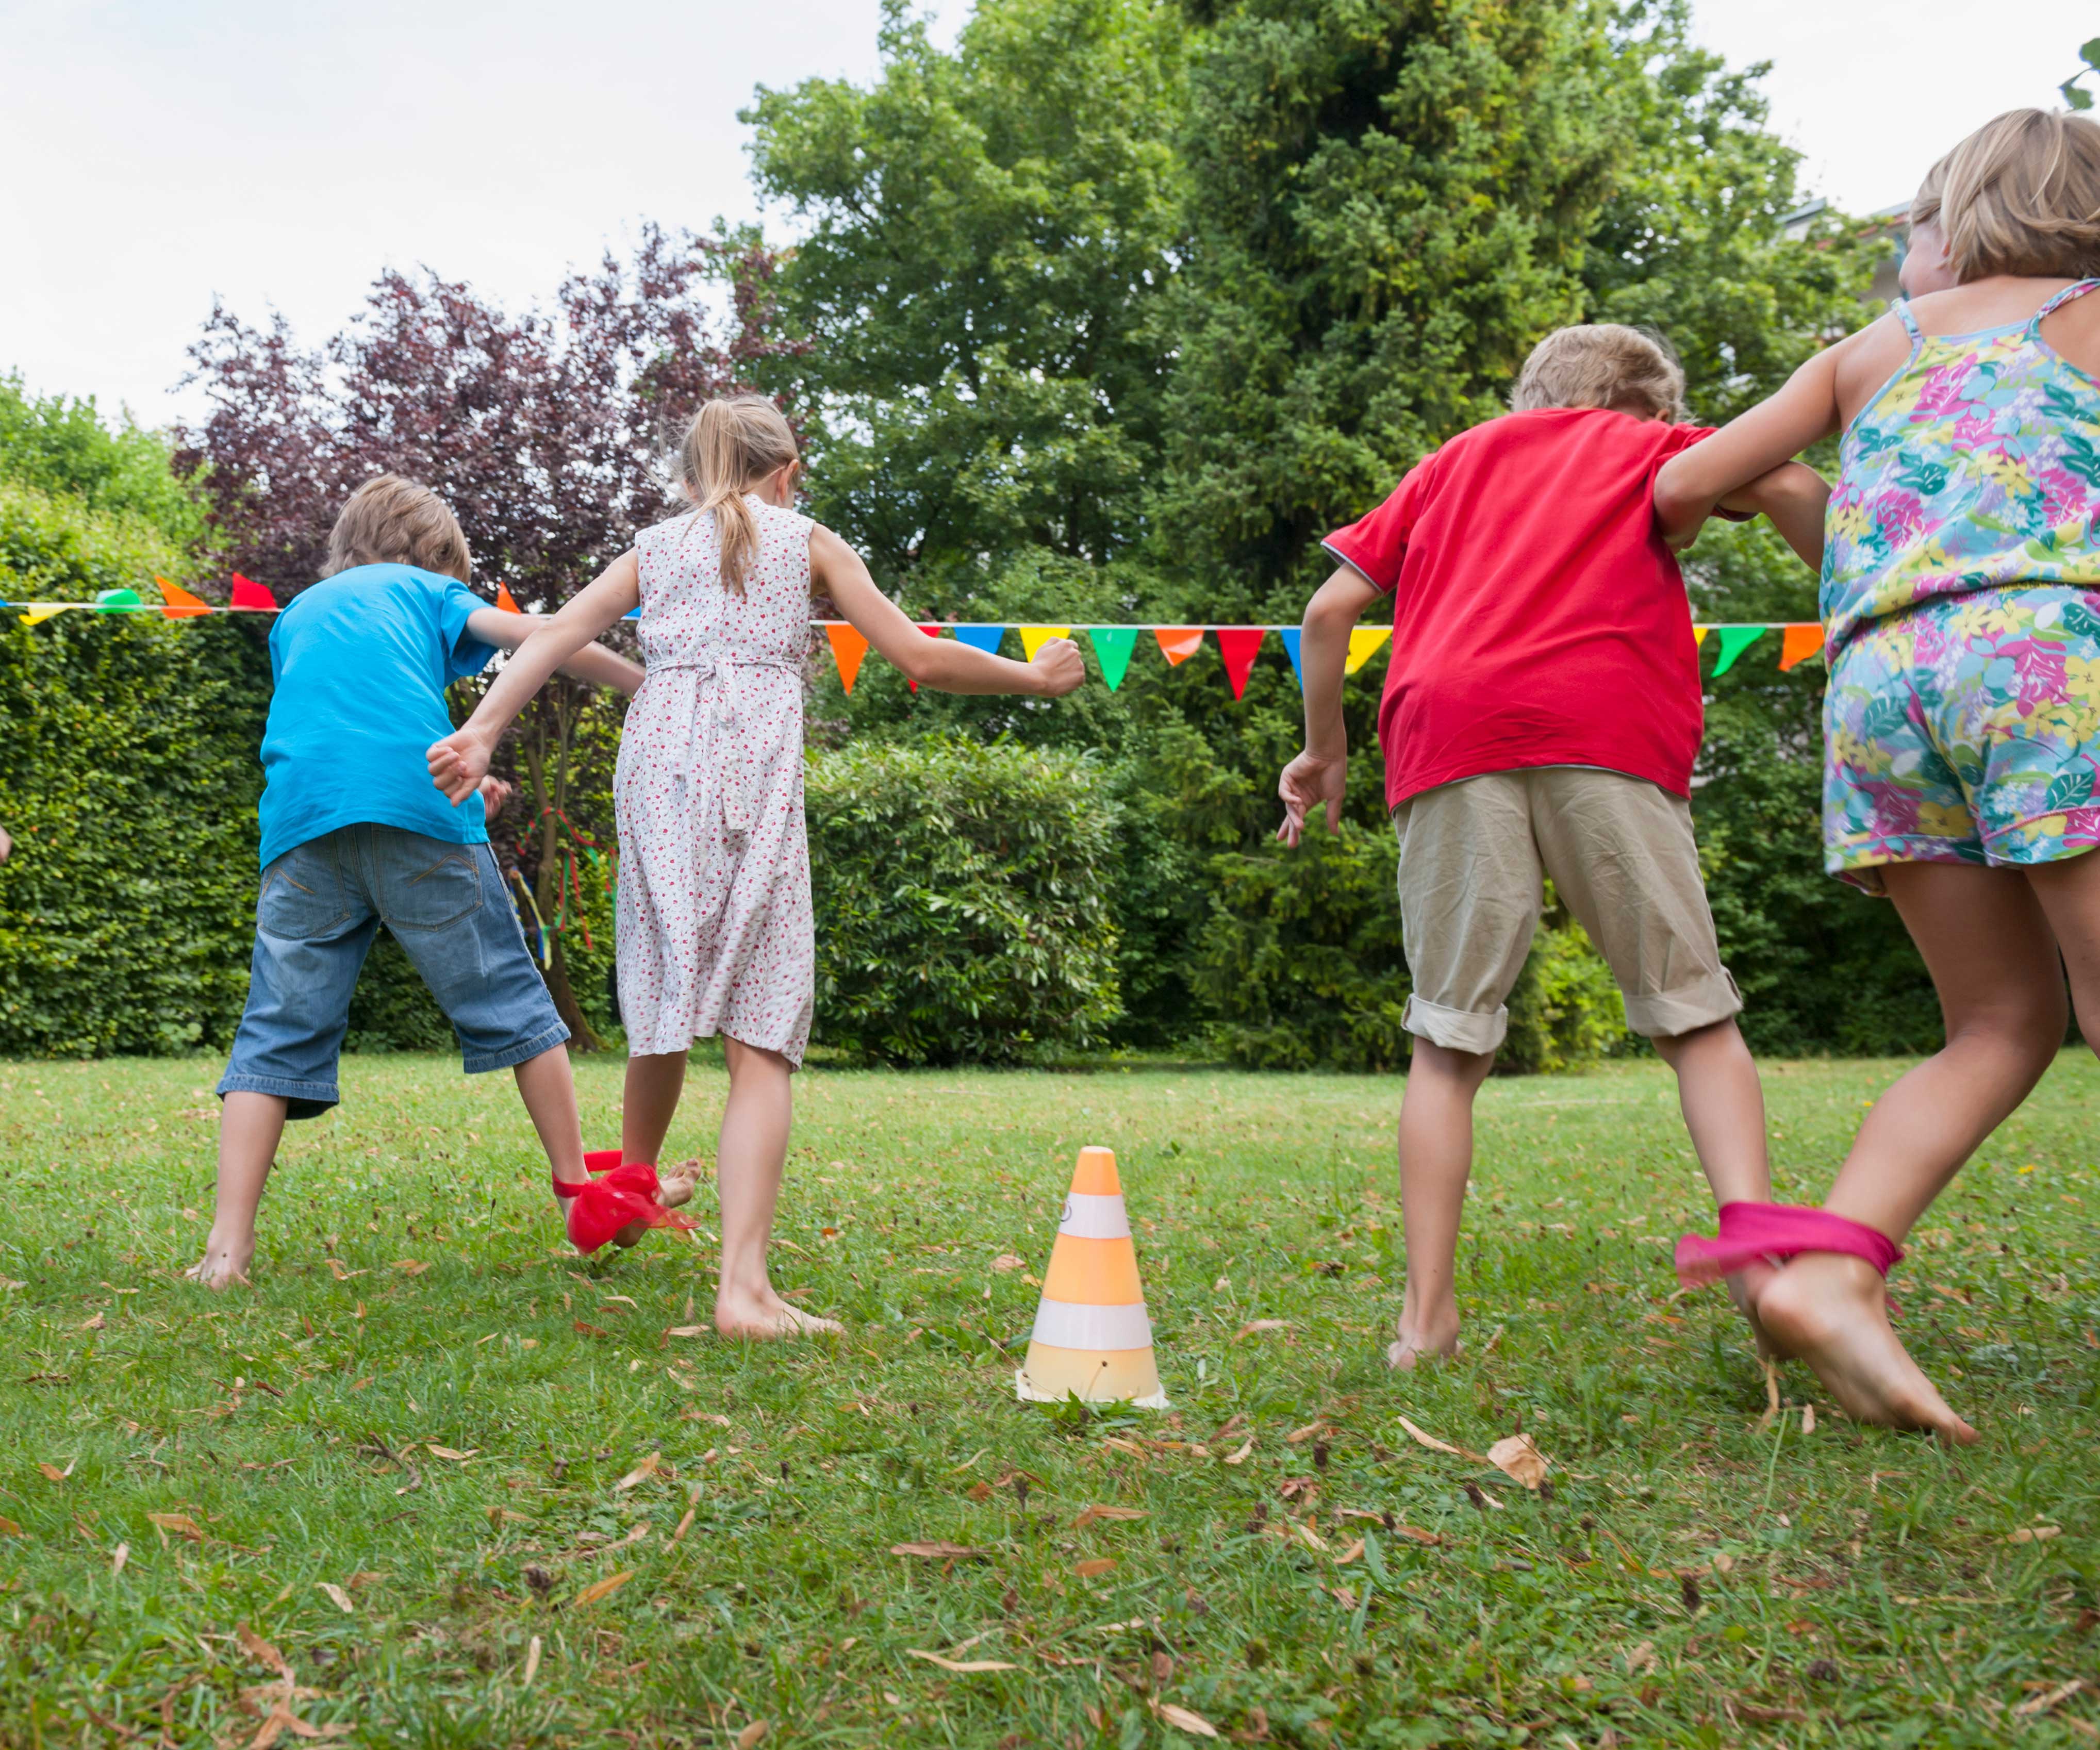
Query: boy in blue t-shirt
{"type": "Point", "coordinates": [354, 834]}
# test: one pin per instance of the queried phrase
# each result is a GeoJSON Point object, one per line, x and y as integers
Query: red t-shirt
{"type": "Point", "coordinates": [1538, 619]}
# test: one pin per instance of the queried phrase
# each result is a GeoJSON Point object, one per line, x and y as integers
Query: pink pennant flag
{"type": "Point", "coordinates": [847, 647]}
{"type": "Point", "coordinates": [1238, 644]}
{"type": "Point", "coordinates": [1178, 643]}
{"type": "Point", "coordinates": [931, 632]}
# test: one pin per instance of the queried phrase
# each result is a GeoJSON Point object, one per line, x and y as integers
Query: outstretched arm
{"type": "Point", "coordinates": [1693, 483]}
{"type": "Point", "coordinates": [592, 664]}
{"type": "Point", "coordinates": [1319, 776]}
{"type": "Point", "coordinates": [1792, 497]}
{"type": "Point", "coordinates": [951, 666]}
{"type": "Point", "coordinates": [460, 762]}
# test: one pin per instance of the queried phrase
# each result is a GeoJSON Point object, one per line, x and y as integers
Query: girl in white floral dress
{"type": "Point", "coordinates": [715, 933]}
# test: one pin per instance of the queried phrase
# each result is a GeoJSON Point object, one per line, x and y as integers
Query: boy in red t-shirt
{"type": "Point", "coordinates": [1540, 718]}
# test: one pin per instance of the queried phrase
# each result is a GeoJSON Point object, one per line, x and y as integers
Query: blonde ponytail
{"type": "Point", "coordinates": [732, 444]}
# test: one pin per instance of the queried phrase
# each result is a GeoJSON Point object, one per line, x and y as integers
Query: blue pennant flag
{"type": "Point", "coordinates": [1290, 635]}
{"type": "Point", "coordinates": [981, 638]}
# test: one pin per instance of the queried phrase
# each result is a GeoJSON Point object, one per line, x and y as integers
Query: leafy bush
{"type": "Point", "coordinates": [129, 777]}
{"type": "Point", "coordinates": [1303, 961]}
{"type": "Point", "coordinates": [961, 897]}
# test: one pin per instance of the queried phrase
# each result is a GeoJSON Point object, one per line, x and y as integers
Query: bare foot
{"type": "Point", "coordinates": [1744, 1287]}
{"type": "Point", "coordinates": [767, 1315]}
{"type": "Point", "coordinates": [673, 1188]}
{"type": "Point", "coordinates": [224, 1263]}
{"type": "Point", "coordinates": [1432, 1340]}
{"type": "Point", "coordinates": [1831, 1311]}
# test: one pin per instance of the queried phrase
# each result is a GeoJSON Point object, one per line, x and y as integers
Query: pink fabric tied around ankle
{"type": "Point", "coordinates": [1775, 1232]}
{"type": "Point", "coordinates": [604, 1206]}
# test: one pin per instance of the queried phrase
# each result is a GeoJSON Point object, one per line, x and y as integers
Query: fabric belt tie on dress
{"type": "Point", "coordinates": [720, 667]}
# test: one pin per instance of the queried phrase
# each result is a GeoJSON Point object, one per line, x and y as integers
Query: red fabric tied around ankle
{"type": "Point", "coordinates": [599, 1210]}
{"type": "Point", "coordinates": [1775, 1232]}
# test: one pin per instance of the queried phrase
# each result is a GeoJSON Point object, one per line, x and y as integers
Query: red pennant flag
{"type": "Point", "coordinates": [1799, 644]}
{"type": "Point", "coordinates": [182, 605]}
{"type": "Point", "coordinates": [1238, 644]}
{"type": "Point", "coordinates": [250, 594]}
{"type": "Point", "coordinates": [847, 647]}
{"type": "Point", "coordinates": [931, 632]}
{"type": "Point", "coordinates": [503, 600]}
{"type": "Point", "coordinates": [1177, 644]}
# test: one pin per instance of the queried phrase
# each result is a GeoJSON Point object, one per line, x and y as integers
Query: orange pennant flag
{"type": "Point", "coordinates": [1178, 643]}
{"type": "Point", "coordinates": [1799, 644]}
{"type": "Point", "coordinates": [847, 647]}
{"type": "Point", "coordinates": [182, 605]}
{"type": "Point", "coordinates": [505, 601]}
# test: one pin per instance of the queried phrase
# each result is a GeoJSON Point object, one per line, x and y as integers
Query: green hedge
{"type": "Point", "coordinates": [128, 778]}
{"type": "Point", "coordinates": [962, 902]}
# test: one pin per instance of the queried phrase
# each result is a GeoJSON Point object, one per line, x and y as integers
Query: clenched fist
{"type": "Point", "coordinates": [1058, 668]}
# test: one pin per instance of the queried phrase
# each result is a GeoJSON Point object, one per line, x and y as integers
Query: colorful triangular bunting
{"type": "Point", "coordinates": [1032, 638]}
{"type": "Point", "coordinates": [931, 632]}
{"type": "Point", "coordinates": [1734, 641]}
{"type": "Point", "coordinates": [181, 604]}
{"type": "Point", "coordinates": [1364, 644]}
{"type": "Point", "coordinates": [1293, 636]}
{"type": "Point", "coordinates": [1177, 644]}
{"type": "Point", "coordinates": [1238, 644]}
{"type": "Point", "coordinates": [1798, 643]}
{"type": "Point", "coordinates": [847, 647]}
{"type": "Point", "coordinates": [247, 593]}
{"type": "Point", "coordinates": [38, 612]}
{"type": "Point", "coordinates": [1113, 646]}
{"type": "Point", "coordinates": [505, 600]}
{"type": "Point", "coordinates": [981, 638]}
{"type": "Point", "coordinates": [119, 602]}
{"type": "Point", "coordinates": [1699, 635]}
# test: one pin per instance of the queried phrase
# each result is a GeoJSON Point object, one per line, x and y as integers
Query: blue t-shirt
{"type": "Point", "coordinates": [362, 661]}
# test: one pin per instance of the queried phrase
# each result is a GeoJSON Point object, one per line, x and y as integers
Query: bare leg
{"type": "Point", "coordinates": [1986, 941]}
{"type": "Point", "coordinates": [251, 1126]}
{"type": "Point", "coordinates": [1723, 1104]}
{"type": "Point", "coordinates": [548, 1086]}
{"type": "Point", "coordinates": [753, 1154]}
{"type": "Point", "coordinates": [654, 1086]}
{"type": "Point", "coordinates": [1436, 1161]}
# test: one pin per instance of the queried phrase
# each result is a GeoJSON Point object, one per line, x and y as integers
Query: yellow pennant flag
{"type": "Point", "coordinates": [1364, 644]}
{"type": "Point", "coordinates": [1032, 638]}
{"type": "Point", "coordinates": [41, 611]}
{"type": "Point", "coordinates": [1699, 635]}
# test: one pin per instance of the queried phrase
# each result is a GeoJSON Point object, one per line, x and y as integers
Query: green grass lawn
{"type": "Point", "coordinates": [421, 1449]}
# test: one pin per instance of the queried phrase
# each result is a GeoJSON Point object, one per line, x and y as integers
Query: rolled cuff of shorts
{"type": "Point", "coordinates": [481, 1063]}
{"type": "Point", "coordinates": [302, 1100]}
{"type": "Point", "coordinates": [1690, 1007]}
{"type": "Point", "coordinates": [1455, 1029]}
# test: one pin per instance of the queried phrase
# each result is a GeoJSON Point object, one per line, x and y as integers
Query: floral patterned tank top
{"type": "Point", "coordinates": [1977, 467]}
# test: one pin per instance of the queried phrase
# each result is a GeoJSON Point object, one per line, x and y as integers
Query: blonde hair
{"type": "Point", "coordinates": [390, 520]}
{"type": "Point", "coordinates": [2022, 196]}
{"type": "Point", "coordinates": [732, 444]}
{"type": "Point", "coordinates": [1604, 364]}
{"type": "Point", "coordinates": [1924, 204]}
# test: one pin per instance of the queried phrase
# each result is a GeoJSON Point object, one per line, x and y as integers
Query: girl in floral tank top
{"type": "Point", "coordinates": [1961, 604]}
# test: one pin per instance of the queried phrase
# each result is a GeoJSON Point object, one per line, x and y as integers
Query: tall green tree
{"type": "Point", "coordinates": [990, 232]}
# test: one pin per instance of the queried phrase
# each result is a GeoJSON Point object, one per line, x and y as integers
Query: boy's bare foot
{"type": "Point", "coordinates": [1744, 1287]}
{"type": "Point", "coordinates": [1431, 1340]}
{"type": "Point", "coordinates": [767, 1315]}
{"type": "Point", "coordinates": [224, 1263]}
{"type": "Point", "coordinates": [1832, 1311]}
{"type": "Point", "coordinates": [673, 1188]}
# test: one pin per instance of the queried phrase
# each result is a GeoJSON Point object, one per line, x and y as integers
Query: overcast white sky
{"type": "Point", "coordinates": [278, 155]}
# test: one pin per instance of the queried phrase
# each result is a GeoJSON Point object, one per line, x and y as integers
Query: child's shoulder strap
{"type": "Point", "coordinates": [2076, 289]}
{"type": "Point", "coordinates": [1901, 309]}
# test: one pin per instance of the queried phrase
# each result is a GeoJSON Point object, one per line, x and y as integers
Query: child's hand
{"type": "Point", "coordinates": [496, 797]}
{"type": "Point", "coordinates": [1308, 782]}
{"type": "Point", "coordinates": [1058, 668]}
{"type": "Point", "coordinates": [458, 763]}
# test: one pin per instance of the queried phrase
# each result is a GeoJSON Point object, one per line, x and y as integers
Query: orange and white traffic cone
{"type": "Point", "coordinates": [1092, 1337]}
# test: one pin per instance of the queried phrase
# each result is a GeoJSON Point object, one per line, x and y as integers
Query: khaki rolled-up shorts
{"type": "Point", "coordinates": [1621, 856]}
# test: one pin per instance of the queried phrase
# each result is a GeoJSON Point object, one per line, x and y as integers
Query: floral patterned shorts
{"type": "Point", "coordinates": [1965, 731]}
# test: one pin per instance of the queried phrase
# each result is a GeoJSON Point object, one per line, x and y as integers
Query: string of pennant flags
{"type": "Point", "coordinates": [1114, 644]}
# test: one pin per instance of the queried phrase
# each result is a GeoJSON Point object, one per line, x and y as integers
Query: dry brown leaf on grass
{"type": "Point", "coordinates": [1415, 1534]}
{"type": "Point", "coordinates": [941, 1552]}
{"type": "Point", "coordinates": [1239, 1457]}
{"type": "Point", "coordinates": [532, 1663]}
{"type": "Point", "coordinates": [119, 1558]}
{"type": "Point", "coordinates": [750, 1735]}
{"type": "Point", "coordinates": [261, 1652]}
{"type": "Point", "coordinates": [1436, 1445]}
{"type": "Point", "coordinates": [1640, 1659]}
{"type": "Point", "coordinates": [410, 1267]}
{"type": "Point", "coordinates": [1095, 1568]}
{"type": "Point", "coordinates": [9, 1528]}
{"type": "Point", "coordinates": [447, 1452]}
{"type": "Point", "coordinates": [641, 1473]}
{"type": "Point", "coordinates": [94, 1324]}
{"type": "Point", "coordinates": [688, 1330]}
{"type": "Point", "coordinates": [1262, 1324]}
{"type": "Point", "coordinates": [1517, 1457]}
{"type": "Point", "coordinates": [605, 1588]}
{"type": "Point", "coordinates": [1008, 1261]}
{"type": "Point", "coordinates": [335, 1269]}
{"type": "Point", "coordinates": [1184, 1719]}
{"type": "Point", "coordinates": [2043, 1702]}
{"type": "Point", "coordinates": [180, 1523]}
{"type": "Point", "coordinates": [963, 1665]}
{"type": "Point", "coordinates": [1089, 1513]}
{"type": "Point", "coordinates": [1298, 1436]}
{"type": "Point", "coordinates": [1350, 1553]}
{"type": "Point", "coordinates": [338, 1597]}
{"type": "Point", "coordinates": [54, 1473]}
{"type": "Point", "coordinates": [2035, 1534]}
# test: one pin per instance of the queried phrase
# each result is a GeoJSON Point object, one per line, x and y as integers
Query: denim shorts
{"type": "Point", "coordinates": [321, 905]}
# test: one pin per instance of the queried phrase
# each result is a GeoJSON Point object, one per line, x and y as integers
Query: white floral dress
{"type": "Point", "coordinates": [715, 929]}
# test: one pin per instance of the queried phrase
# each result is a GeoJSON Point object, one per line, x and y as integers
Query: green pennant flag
{"type": "Point", "coordinates": [1113, 646]}
{"type": "Point", "coordinates": [1734, 641]}
{"type": "Point", "coordinates": [119, 602]}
